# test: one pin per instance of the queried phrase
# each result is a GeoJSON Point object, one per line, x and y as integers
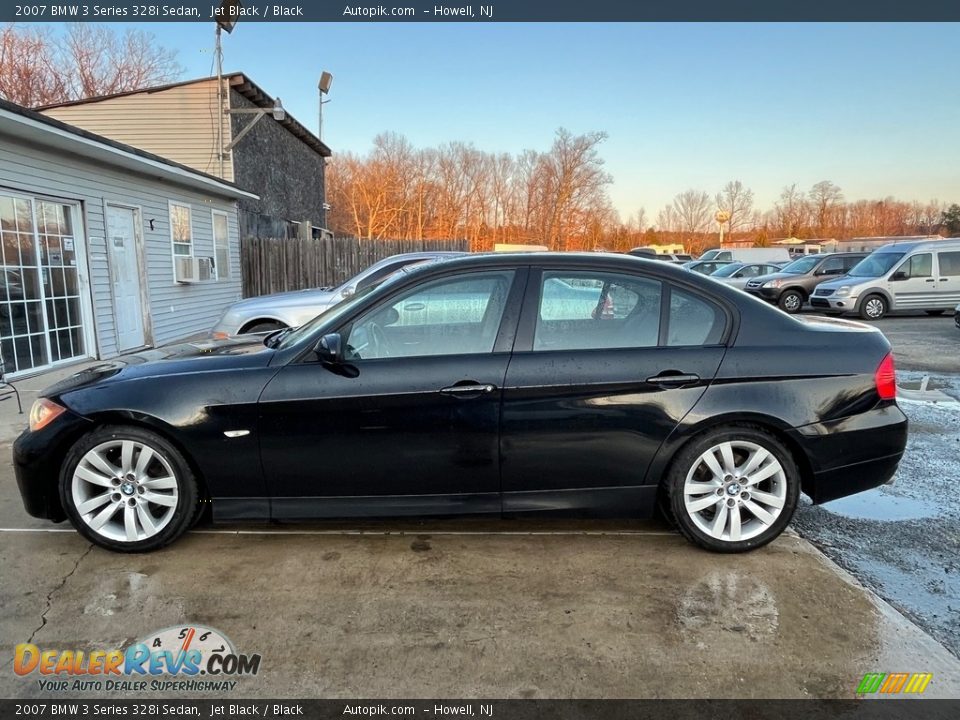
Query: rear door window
{"type": "Point", "coordinates": [590, 310]}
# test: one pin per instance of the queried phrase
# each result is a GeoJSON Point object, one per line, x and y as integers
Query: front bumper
{"type": "Point", "coordinates": [765, 293]}
{"type": "Point", "coordinates": [838, 304]}
{"type": "Point", "coordinates": [37, 457]}
{"type": "Point", "coordinates": [852, 454]}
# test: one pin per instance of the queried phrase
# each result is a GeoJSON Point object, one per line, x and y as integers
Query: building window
{"type": "Point", "coordinates": [221, 245]}
{"type": "Point", "coordinates": [181, 230]}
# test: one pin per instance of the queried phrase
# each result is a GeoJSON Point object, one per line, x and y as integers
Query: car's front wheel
{"type": "Point", "coordinates": [732, 489]}
{"type": "Point", "coordinates": [128, 489]}
{"type": "Point", "coordinates": [791, 301]}
{"type": "Point", "coordinates": [873, 307]}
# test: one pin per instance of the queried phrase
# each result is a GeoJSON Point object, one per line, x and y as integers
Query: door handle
{"type": "Point", "coordinates": [468, 389]}
{"type": "Point", "coordinates": [673, 379]}
{"type": "Point", "coordinates": [930, 280]}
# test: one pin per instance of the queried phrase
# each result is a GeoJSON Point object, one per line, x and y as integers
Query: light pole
{"type": "Point", "coordinates": [326, 80]}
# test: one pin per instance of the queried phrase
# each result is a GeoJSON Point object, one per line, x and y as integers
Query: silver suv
{"type": "Point", "coordinates": [922, 275]}
{"type": "Point", "coordinates": [292, 309]}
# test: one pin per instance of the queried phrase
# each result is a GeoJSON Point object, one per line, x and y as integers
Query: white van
{"type": "Point", "coordinates": [922, 275]}
{"type": "Point", "coordinates": [747, 255]}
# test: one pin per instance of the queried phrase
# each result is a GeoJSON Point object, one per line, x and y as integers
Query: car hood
{"type": "Point", "coordinates": [846, 280]}
{"type": "Point", "coordinates": [294, 298]}
{"type": "Point", "coordinates": [203, 356]}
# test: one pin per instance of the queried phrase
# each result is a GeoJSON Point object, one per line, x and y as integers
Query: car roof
{"type": "Point", "coordinates": [598, 260]}
{"type": "Point", "coordinates": [423, 255]}
{"type": "Point", "coordinates": [944, 244]}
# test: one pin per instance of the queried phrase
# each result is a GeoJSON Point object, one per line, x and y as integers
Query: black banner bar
{"type": "Point", "coordinates": [874, 709]}
{"type": "Point", "coordinates": [481, 11]}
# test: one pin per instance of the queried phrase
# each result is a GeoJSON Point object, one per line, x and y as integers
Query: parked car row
{"type": "Point", "coordinates": [919, 275]}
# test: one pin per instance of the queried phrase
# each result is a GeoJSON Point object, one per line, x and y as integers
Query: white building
{"type": "Point", "coordinates": [105, 248]}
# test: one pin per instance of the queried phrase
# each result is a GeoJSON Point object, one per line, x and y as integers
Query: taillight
{"type": "Point", "coordinates": [886, 379]}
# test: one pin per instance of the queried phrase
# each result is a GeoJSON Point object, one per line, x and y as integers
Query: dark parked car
{"type": "Point", "coordinates": [792, 287]}
{"type": "Point", "coordinates": [488, 384]}
{"type": "Point", "coordinates": [706, 267]}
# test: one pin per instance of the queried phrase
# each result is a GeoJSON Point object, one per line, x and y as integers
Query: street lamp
{"type": "Point", "coordinates": [326, 80]}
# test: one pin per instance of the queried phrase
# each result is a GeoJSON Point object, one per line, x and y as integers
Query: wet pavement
{"type": "Point", "coordinates": [903, 540]}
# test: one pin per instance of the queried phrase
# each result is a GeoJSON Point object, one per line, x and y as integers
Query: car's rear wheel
{"type": "Point", "coordinates": [262, 326]}
{"type": "Point", "coordinates": [791, 301]}
{"type": "Point", "coordinates": [732, 489]}
{"type": "Point", "coordinates": [128, 489]}
{"type": "Point", "coordinates": [873, 307]}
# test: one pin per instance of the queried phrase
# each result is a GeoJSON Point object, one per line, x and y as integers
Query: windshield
{"type": "Point", "coordinates": [728, 270]}
{"type": "Point", "coordinates": [709, 255]}
{"type": "Point", "coordinates": [875, 265]}
{"type": "Point", "coordinates": [802, 266]}
{"type": "Point", "coordinates": [291, 337]}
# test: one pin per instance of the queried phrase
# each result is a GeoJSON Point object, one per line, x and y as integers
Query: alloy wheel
{"type": "Point", "coordinates": [735, 490]}
{"type": "Point", "coordinates": [792, 302]}
{"type": "Point", "coordinates": [125, 490]}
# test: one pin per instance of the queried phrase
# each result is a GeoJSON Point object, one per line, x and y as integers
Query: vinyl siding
{"type": "Point", "coordinates": [144, 120]}
{"type": "Point", "coordinates": [177, 310]}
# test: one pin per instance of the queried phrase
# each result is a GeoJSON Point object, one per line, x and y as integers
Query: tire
{"type": "Point", "coordinates": [791, 301]}
{"type": "Point", "coordinates": [934, 313]}
{"type": "Point", "coordinates": [759, 520]}
{"type": "Point", "coordinates": [873, 307]}
{"type": "Point", "coordinates": [263, 326]}
{"type": "Point", "coordinates": [162, 496]}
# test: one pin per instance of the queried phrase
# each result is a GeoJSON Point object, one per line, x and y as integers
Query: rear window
{"type": "Point", "coordinates": [950, 264]}
{"type": "Point", "coordinates": [694, 320]}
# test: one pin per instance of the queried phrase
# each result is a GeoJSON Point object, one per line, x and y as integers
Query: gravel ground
{"type": "Point", "coordinates": [903, 540]}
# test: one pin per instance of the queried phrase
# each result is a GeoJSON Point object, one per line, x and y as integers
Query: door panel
{"type": "Point", "coordinates": [388, 431]}
{"type": "Point", "coordinates": [594, 386]}
{"type": "Point", "coordinates": [409, 421]}
{"type": "Point", "coordinates": [125, 276]}
{"type": "Point", "coordinates": [919, 288]}
{"type": "Point", "coordinates": [948, 278]}
{"type": "Point", "coordinates": [562, 432]}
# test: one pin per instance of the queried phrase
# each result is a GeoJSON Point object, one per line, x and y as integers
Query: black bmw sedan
{"type": "Point", "coordinates": [490, 384]}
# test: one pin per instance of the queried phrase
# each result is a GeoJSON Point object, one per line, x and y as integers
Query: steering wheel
{"type": "Point", "coordinates": [381, 345]}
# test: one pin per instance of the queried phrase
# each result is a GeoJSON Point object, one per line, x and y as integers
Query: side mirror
{"type": "Point", "coordinates": [329, 348]}
{"type": "Point", "coordinates": [347, 292]}
{"type": "Point", "coordinates": [899, 275]}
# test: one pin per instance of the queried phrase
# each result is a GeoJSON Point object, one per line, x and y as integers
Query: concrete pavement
{"type": "Point", "coordinates": [510, 609]}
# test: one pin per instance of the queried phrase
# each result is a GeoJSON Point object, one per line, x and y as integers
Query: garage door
{"type": "Point", "coordinates": [42, 314]}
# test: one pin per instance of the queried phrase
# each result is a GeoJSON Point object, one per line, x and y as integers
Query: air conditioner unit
{"type": "Point", "coordinates": [193, 269]}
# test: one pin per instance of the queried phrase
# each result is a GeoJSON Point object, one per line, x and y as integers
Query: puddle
{"type": "Point", "coordinates": [875, 505]}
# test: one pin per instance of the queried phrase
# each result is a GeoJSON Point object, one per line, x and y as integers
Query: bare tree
{"type": "Point", "coordinates": [38, 67]}
{"type": "Point", "coordinates": [736, 200]}
{"type": "Point", "coordinates": [824, 196]}
{"type": "Point", "coordinates": [791, 211]}
{"type": "Point", "coordinates": [29, 67]}
{"type": "Point", "coordinates": [694, 211]}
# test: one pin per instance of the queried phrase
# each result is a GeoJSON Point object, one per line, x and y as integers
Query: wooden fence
{"type": "Point", "coordinates": [272, 265]}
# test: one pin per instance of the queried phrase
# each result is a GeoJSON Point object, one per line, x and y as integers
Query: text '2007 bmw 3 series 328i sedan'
{"type": "Point", "coordinates": [490, 384]}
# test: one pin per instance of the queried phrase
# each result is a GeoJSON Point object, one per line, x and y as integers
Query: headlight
{"type": "Point", "coordinates": [44, 412]}
{"type": "Point", "coordinates": [843, 291]}
{"type": "Point", "coordinates": [773, 283]}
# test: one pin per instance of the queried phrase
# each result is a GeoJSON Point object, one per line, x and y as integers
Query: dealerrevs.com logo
{"type": "Point", "coordinates": [185, 658]}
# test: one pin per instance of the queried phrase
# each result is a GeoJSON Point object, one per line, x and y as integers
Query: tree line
{"type": "Point", "coordinates": [41, 67]}
{"type": "Point", "coordinates": [560, 198]}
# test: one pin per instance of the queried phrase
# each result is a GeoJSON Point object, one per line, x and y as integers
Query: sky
{"type": "Point", "coordinates": [874, 108]}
